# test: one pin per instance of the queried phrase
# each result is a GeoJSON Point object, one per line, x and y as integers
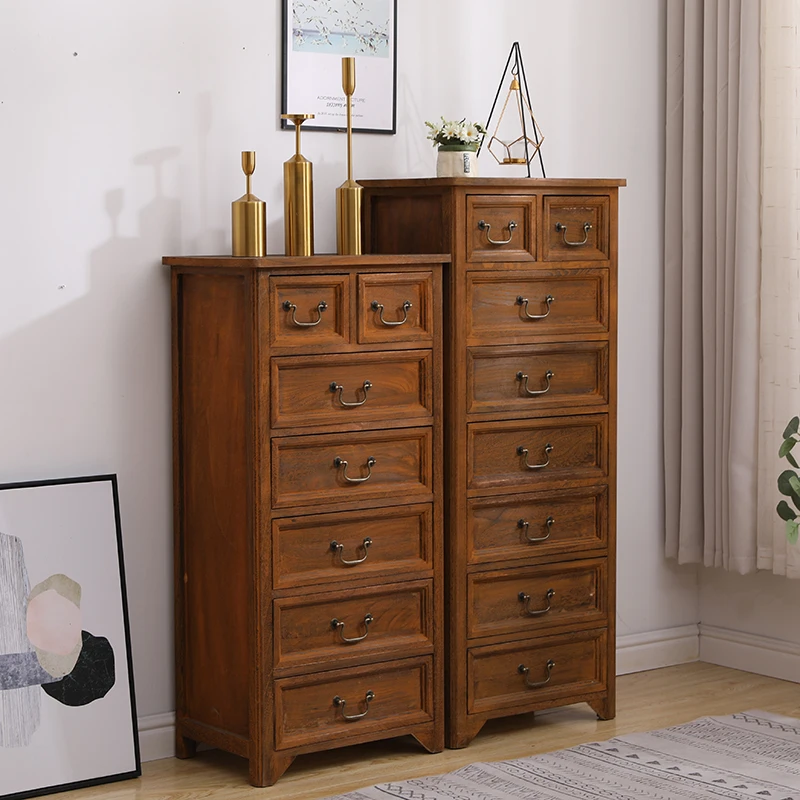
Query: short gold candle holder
{"type": "Point", "coordinates": [349, 194]}
{"type": "Point", "coordinates": [298, 196]}
{"type": "Point", "coordinates": [249, 216]}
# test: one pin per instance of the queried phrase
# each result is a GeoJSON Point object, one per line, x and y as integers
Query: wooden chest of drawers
{"type": "Point", "coordinates": [530, 422]}
{"type": "Point", "coordinates": [308, 510]}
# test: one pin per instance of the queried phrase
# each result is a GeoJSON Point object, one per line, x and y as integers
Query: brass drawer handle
{"type": "Point", "coordinates": [523, 379]}
{"type": "Point", "coordinates": [562, 229]}
{"type": "Point", "coordinates": [523, 523]}
{"type": "Point", "coordinates": [338, 625]}
{"type": "Point", "coordinates": [289, 306]}
{"type": "Point", "coordinates": [526, 598]}
{"type": "Point", "coordinates": [376, 306]}
{"type": "Point", "coordinates": [336, 387]}
{"type": "Point", "coordinates": [340, 462]}
{"type": "Point", "coordinates": [338, 548]}
{"type": "Point", "coordinates": [339, 702]}
{"type": "Point", "coordinates": [522, 451]}
{"type": "Point", "coordinates": [485, 226]}
{"type": "Point", "coordinates": [523, 670]}
{"type": "Point", "coordinates": [523, 301]}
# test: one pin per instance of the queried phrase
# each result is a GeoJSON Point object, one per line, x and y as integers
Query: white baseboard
{"type": "Point", "coordinates": [637, 652]}
{"type": "Point", "coordinates": [157, 736]}
{"type": "Point", "coordinates": [760, 654]}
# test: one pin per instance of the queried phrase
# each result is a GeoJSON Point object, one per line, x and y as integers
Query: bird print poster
{"type": "Point", "coordinates": [67, 709]}
{"type": "Point", "coordinates": [317, 34]}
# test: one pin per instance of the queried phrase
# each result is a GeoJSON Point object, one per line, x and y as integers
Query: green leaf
{"type": "Point", "coordinates": [786, 447]}
{"type": "Point", "coordinates": [792, 460]}
{"type": "Point", "coordinates": [792, 529]}
{"type": "Point", "coordinates": [785, 511]}
{"type": "Point", "coordinates": [784, 487]}
{"type": "Point", "coordinates": [792, 427]}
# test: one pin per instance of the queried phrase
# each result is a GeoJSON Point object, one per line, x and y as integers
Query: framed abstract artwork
{"type": "Point", "coordinates": [67, 704]}
{"type": "Point", "coordinates": [316, 35]}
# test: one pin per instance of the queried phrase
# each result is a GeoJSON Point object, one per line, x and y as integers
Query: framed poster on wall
{"type": "Point", "coordinates": [316, 35]}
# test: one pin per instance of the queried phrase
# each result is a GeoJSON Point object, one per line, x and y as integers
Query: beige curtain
{"type": "Point", "coordinates": [779, 384]}
{"type": "Point", "coordinates": [712, 252]}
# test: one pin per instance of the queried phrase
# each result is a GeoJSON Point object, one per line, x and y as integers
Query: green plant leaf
{"type": "Point", "coordinates": [784, 487]}
{"type": "Point", "coordinates": [794, 482]}
{"type": "Point", "coordinates": [792, 531]}
{"type": "Point", "coordinates": [792, 427]}
{"type": "Point", "coordinates": [786, 447]}
{"type": "Point", "coordinates": [792, 460]}
{"type": "Point", "coordinates": [784, 511]}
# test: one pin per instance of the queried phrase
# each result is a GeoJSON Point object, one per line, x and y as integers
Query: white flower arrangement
{"type": "Point", "coordinates": [449, 132]}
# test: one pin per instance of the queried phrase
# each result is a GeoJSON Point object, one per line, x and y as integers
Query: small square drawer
{"type": "Point", "coordinates": [529, 675]}
{"type": "Point", "coordinates": [501, 228]}
{"type": "Point", "coordinates": [336, 705]}
{"type": "Point", "coordinates": [531, 454]}
{"type": "Point", "coordinates": [395, 307]}
{"type": "Point", "coordinates": [351, 545]}
{"type": "Point", "coordinates": [342, 389]}
{"type": "Point", "coordinates": [541, 524]}
{"type": "Point", "coordinates": [533, 599]}
{"type": "Point", "coordinates": [576, 228]}
{"type": "Point", "coordinates": [309, 311]}
{"type": "Point", "coordinates": [328, 629]}
{"type": "Point", "coordinates": [532, 378]}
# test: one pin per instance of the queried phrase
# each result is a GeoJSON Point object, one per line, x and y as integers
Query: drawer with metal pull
{"type": "Point", "coordinates": [395, 307]}
{"type": "Point", "coordinates": [501, 228]}
{"type": "Point", "coordinates": [351, 545]}
{"type": "Point", "coordinates": [576, 228]}
{"type": "Point", "coordinates": [323, 630]}
{"type": "Point", "coordinates": [352, 467]}
{"type": "Point", "coordinates": [534, 673]}
{"type": "Point", "coordinates": [537, 525]}
{"type": "Point", "coordinates": [532, 599]}
{"type": "Point", "coordinates": [536, 453]}
{"type": "Point", "coordinates": [534, 378]}
{"type": "Point", "coordinates": [335, 705]}
{"type": "Point", "coordinates": [514, 306]}
{"type": "Point", "coordinates": [352, 388]}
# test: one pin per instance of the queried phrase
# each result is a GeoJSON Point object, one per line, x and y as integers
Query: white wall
{"type": "Point", "coordinates": [121, 125]}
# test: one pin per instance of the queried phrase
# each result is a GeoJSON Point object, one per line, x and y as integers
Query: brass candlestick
{"type": "Point", "coordinates": [348, 195]}
{"type": "Point", "coordinates": [249, 216]}
{"type": "Point", "coordinates": [298, 196]}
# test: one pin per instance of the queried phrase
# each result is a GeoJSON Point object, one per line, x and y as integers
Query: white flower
{"type": "Point", "coordinates": [452, 130]}
{"type": "Point", "coordinates": [470, 132]}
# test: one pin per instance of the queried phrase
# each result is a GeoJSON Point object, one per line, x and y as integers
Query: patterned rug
{"type": "Point", "coordinates": [749, 756]}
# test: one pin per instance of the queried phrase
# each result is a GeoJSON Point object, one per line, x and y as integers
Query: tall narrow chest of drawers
{"type": "Point", "coordinates": [308, 514]}
{"type": "Point", "coordinates": [530, 409]}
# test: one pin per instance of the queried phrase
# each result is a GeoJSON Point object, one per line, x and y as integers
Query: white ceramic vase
{"type": "Point", "coordinates": [455, 162]}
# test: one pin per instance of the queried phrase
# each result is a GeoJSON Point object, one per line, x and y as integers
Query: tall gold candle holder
{"type": "Point", "coordinates": [298, 196]}
{"type": "Point", "coordinates": [349, 194]}
{"type": "Point", "coordinates": [249, 216]}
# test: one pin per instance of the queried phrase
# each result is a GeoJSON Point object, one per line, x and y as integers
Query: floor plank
{"type": "Point", "coordinates": [645, 700]}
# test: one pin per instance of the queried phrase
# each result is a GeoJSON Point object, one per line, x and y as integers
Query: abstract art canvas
{"type": "Point", "coordinates": [67, 705]}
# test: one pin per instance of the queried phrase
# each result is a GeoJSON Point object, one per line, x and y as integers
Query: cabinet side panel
{"type": "Point", "coordinates": [213, 535]}
{"type": "Point", "coordinates": [407, 223]}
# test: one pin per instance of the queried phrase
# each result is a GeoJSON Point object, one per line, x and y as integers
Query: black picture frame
{"type": "Point", "coordinates": [125, 699]}
{"type": "Point", "coordinates": [336, 124]}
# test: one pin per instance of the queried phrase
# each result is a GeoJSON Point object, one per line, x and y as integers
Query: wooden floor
{"type": "Point", "coordinates": [645, 701]}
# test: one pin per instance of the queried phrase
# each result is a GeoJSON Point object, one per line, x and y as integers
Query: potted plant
{"type": "Point", "coordinates": [458, 143]}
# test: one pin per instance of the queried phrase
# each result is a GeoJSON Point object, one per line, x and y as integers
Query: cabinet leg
{"type": "Point", "coordinates": [603, 706]}
{"type": "Point", "coordinates": [432, 740]}
{"type": "Point", "coordinates": [184, 746]}
{"type": "Point", "coordinates": [266, 771]}
{"type": "Point", "coordinates": [464, 734]}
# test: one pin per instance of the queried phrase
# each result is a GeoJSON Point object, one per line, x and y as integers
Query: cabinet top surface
{"type": "Point", "coordinates": [304, 262]}
{"type": "Point", "coordinates": [533, 184]}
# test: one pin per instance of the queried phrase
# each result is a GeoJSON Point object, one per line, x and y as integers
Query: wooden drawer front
{"type": "Point", "coordinates": [308, 551]}
{"type": "Point", "coordinates": [496, 681]}
{"type": "Point", "coordinates": [496, 307]}
{"type": "Point", "coordinates": [565, 521]}
{"type": "Point", "coordinates": [386, 621]}
{"type": "Point", "coordinates": [516, 601]}
{"type": "Point", "coordinates": [393, 385]}
{"type": "Point", "coordinates": [296, 319]}
{"type": "Point", "coordinates": [397, 321]}
{"type": "Point", "coordinates": [537, 377]}
{"type": "Point", "coordinates": [501, 228]}
{"type": "Point", "coordinates": [311, 470]}
{"type": "Point", "coordinates": [579, 450]}
{"type": "Point", "coordinates": [566, 235]}
{"type": "Point", "coordinates": [305, 711]}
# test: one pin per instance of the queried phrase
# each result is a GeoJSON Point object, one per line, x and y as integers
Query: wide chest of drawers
{"type": "Point", "coordinates": [308, 504]}
{"type": "Point", "coordinates": [530, 427]}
